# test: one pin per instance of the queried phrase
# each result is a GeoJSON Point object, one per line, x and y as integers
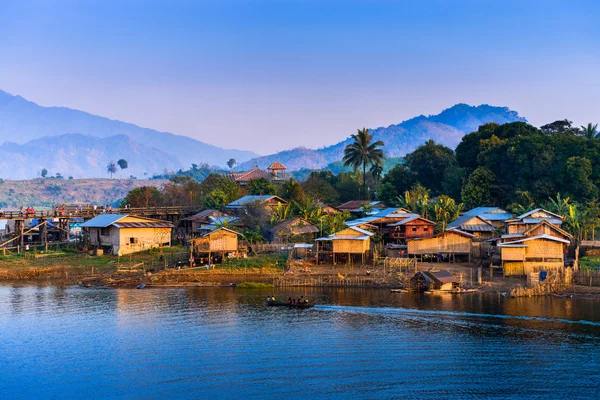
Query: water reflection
{"type": "Point", "coordinates": [60, 342]}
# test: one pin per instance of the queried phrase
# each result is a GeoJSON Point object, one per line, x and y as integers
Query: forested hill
{"type": "Point", "coordinates": [447, 128]}
{"type": "Point", "coordinates": [79, 144]}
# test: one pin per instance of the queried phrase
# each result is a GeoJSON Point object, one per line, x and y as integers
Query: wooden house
{"type": "Point", "coordinates": [221, 242]}
{"type": "Point", "coordinates": [268, 201]}
{"type": "Point", "coordinates": [475, 225]}
{"type": "Point", "coordinates": [492, 215]}
{"type": "Point", "coordinates": [525, 221]}
{"type": "Point", "coordinates": [433, 280]}
{"type": "Point", "coordinates": [347, 243]}
{"type": "Point", "coordinates": [203, 218]}
{"type": "Point", "coordinates": [244, 178]}
{"type": "Point", "coordinates": [397, 225]}
{"type": "Point", "coordinates": [451, 242]}
{"type": "Point", "coordinates": [541, 247]}
{"type": "Point", "coordinates": [293, 230]}
{"type": "Point", "coordinates": [125, 234]}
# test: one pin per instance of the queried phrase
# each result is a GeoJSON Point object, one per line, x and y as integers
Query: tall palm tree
{"type": "Point", "coordinates": [446, 210]}
{"type": "Point", "coordinates": [362, 152]}
{"type": "Point", "coordinates": [576, 222]}
{"type": "Point", "coordinates": [590, 131]}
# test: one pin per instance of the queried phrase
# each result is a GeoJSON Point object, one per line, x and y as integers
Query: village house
{"type": "Point", "coordinates": [541, 247]}
{"type": "Point", "coordinates": [356, 207]}
{"type": "Point", "coordinates": [475, 225]}
{"type": "Point", "coordinates": [268, 201]}
{"type": "Point", "coordinates": [492, 215]}
{"type": "Point", "coordinates": [451, 243]}
{"type": "Point", "coordinates": [125, 234]}
{"type": "Point", "coordinates": [397, 225]}
{"type": "Point", "coordinates": [344, 245]}
{"type": "Point", "coordinates": [433, 280]}
{"type": "Point", "coordinates": [219, 243]}
{"type": "Point", "coordinates": [275, 172]}
{"type": "Point", "coordinates": [197, 221]}
{"type": "Point", "coordinates": [293, 230]}
{"type": "Point", "coordinates": [525, 221]}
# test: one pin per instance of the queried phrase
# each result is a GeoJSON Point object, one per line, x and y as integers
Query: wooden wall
{"type": "Point", "coordinates": [351, 246]}
{"type": "Point", "coordinates": [448, 242]}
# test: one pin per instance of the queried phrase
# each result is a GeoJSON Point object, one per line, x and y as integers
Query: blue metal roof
{"type": "Point", "coordinates": [241, 202]}
{"type": "Point", "coordinates": [103, 220]}
{"type": "Point", "coordinates": [477, 211]}
{"type": "Point", "coordinates": [495, 216]}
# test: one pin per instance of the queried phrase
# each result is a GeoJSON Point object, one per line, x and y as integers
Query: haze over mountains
{"type": "Point", "coordinates": [79, 144]}
{"type": "Point", "coordinates": [447, 128]}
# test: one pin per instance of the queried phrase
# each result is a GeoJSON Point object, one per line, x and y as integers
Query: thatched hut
{"type": "Point", "coordinates": [433, 280]}
{"type": "Point", "coordinates": [293, 230]}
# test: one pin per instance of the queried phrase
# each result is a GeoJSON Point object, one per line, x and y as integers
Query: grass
{"type": "Point", "coordinates": [254, 285]}
{"type": "Point", "coordinates": [271, 261]}
{"type": "Point", "coordinates": [590, 263]}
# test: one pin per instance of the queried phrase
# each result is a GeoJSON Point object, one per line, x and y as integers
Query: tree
{"type": "Point", "coordinates": [561, 127]}
{"type": "Point", "coordinates": [44, 172]}
{"type": "Point", "coordinates": [590, 131]}
{"type": "Point", "coordinates": [429, 163]}
{"type": "Point", "coordinates": [319, 188]}
{"type": "Point", "coordinates": [575, 224]}
{"type": "Point", "coordinates": [446, 210]}
{"type": "Point", "coordinates": [216, 200]}
{"type": "Point", "coordinates": [261, 186]}
{"type": "Point", "coordinates": [231, 163]}
{"type": "Point", "coordinates": [308, 210]}
{"type": "Point", "coordinates": [111, 168]}
{"type": "Point", "coordinates": [144, 196]}
{"type": "Point", "coordinates": [292, 191]}
{"type": "Point", "coordinates": [478, 188]}
{"type": "Point", "coordinates": [376, 172]}
{"type": "Point", "coordinates": [362, 152]}
{"type": "Point", "coordinates": [416, 200]}
{"type": "Point", "coordinates": [577, 178]}
{"type": "Point", "coordinates": [216, 181]}
{"type": "Point", "coordinates": [123, 164]}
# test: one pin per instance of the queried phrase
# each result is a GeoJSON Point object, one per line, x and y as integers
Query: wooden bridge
{"type": "Point", "coordinates": [86, 213]}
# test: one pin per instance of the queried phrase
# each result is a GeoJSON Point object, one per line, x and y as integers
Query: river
{"type": "Point", "coordinates": [71, 342]}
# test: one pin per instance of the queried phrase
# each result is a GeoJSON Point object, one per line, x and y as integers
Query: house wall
{"type": "Point", "coordinates": [513, 253]}
{"type": "Point", "coordinates": [143, 238]}
{"type": "Point", "coordinates": [223, 241]}
{"type": "Point", "coordinates": [545, 229]}
{"type": "Point", "coordinates": [449, 242]}
{"type": "Point", "coordinates": [351, 246]}
{"type": "Point", "coordinates": [538, 255]}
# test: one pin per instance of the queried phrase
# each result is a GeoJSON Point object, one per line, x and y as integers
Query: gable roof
{"type": "Point", "coordinates": [252, 174]}
{"type": "Point", "coordinates": [461, 222]}
{"type": "Point", "coordinates": [204, 214]}
{"type": "Point", "coordinates": [489, 213]}
{"type": "Point", "coordinates": [356, 205]}
{"type": "Point", "coordinates": [458, 231]}
{"type": "Point", "coordinates": [244, 201]}
{"type": "Point", "coordinates": [103, 220]}
{"type": "Point", "coordinates": [146, 224]}
{"type": "Point", "coordinates": [221, 229]}
{"type": "Point", "coordinates": [537, 237]}
{"type": "Point", "coordinates": [442, 276]}
{"type": "Point", "coordinates": [289, 224]}
{"type": "Point", "coordinates": [528, 213]}
{"type": "Point", "coordinates": [411, 218]}
{"type": "Point", "coordinates": [551, 226]}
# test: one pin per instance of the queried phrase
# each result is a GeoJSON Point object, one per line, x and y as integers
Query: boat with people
{"type": "Point", "coordinates": [291, 303]}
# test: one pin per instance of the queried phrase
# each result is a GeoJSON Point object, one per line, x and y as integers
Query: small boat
{"type": "Point", "coordinates": [141, 285]}
{"type": "Point", "coordinates": [274, 303]}
{"type": "Point", "coordinates": [398, 290]}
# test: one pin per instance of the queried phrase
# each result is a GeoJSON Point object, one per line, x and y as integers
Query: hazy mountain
{"type": "Point", "coordinates": [447, 127]}
{"type": "Point", "coordinates": [22, 121]}
{"type": "Point", "coordinates": [81, 156]}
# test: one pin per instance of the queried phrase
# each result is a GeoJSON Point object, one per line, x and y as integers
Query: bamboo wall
{"type": "Point", "coordinates": [223, 241]}
{"type": "Point", "coordinates": [544, 249]}
{"type": "Point", "coordinates": [351, 246]}
{"type": "Point", "coordinates": [449, 242]}
{"type": "Point", "coordinates": [513, 253]}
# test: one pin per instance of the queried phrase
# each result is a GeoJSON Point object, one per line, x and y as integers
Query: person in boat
{"type": "Point", "coordinates": [272, 298]}
{"type": "Point", "coordinates": [302, 300]}
{"type": "Point", "coordinates": [268, 299]}
{"type": "Point", "coordinates": [289, 300]}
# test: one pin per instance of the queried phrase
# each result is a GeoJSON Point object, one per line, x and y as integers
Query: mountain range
{"type": "Point", "coordinates": [79, 144]}
{"type": "Point", "coordinates": [447, 128]}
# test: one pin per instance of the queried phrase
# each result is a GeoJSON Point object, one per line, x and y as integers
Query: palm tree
{"type": "Point", "coordinates": [362, 152]}
{"type": "Point", "coordinates": [376, 171]}
{"type": "Point", "coordinates": [446, 210]}
{"type": "Point", "coordinates": [559, 205]}
{"type": "Point", "coordinates": [111, 168]}
{"type": "Point", "coordinates": [590, 131]}
{"type": "Point", "coordinates": [576, 222]}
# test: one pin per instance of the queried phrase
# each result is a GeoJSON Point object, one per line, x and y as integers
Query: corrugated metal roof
{"type": "Point", "coordinates": [149, 224]}
{"type": "Point", "coordinates": [354, 228]}
{"type": "Point", "coordinates": [495, 216]}
{"type": "Point", "coordinates": [540, 237]}
{"type": "Point", "coordinates": [241, 202]}
{"type": "Point", "coordinates": [477, 211]}
{"type": "Point", "coordinates": [409, 219]}
{"type": "Point", "coordinates": [478, 228]}
{"type": "Point", "coordinates": [528, 213]}
{"type": "Point", "coordinates": [103, 220]}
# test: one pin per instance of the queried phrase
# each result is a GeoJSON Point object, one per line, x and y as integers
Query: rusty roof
{"type": "Point", "coordinates": [276, 166]}
{"type": "Point", "coordinates": [295, 226]}
{"type": "Point", "coordinates": [252, 174]}
{"type": "Point", "coordinates": [149, 224]}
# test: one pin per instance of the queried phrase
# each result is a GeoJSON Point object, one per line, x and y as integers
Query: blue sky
{"type": "Point", "coordinates": [270, 75]}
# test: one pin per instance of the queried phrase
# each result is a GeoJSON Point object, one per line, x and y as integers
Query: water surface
{"type": "Point", "coordinates": [70, 342]}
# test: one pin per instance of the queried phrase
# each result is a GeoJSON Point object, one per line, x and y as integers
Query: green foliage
{"type": "Point", "coordinates": [276, 261]}
{"type": "Point", "coordinates": [123, 164]}
{"type": "Point", "coordinates": [446, 210]}
{"type": "Point", "coordinates": [145, 196]}
{"type": "Point", "coordinates": [253, 235]}
{"type": "Point", "coordinates": [362, 152]}
{"type": "Point", "coordinates": [231, 163]}
{"type": "Point", "coordinates": [261, 186]}
{"type": "Point", "coordinates": [255, 285]}
{"type": "Point", "coordinates": [216, 200]}
{"type": "Point", "coordinates": [292, 191]}
{"type": "Point", "coordinates": [320, 188]}
{"type": "Point", "coordinates": [478, 190]}
{"type": "Point", "coordinates": [111, 168]}
{"type": "Point", "coordinates": [215, 181]}
{"type": "Point", "coordinates": [416, 200]}
{"type": "Point", "coordinates": [429, 163]}
{"type": "Point", "coordinates": [44, 172]}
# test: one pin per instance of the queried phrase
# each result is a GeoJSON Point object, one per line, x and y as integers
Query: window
{"type": "Point", "coordinates": [425, 229]}
{"type": "Point", "coordinates": [414, 229]}
{"type": "Point", "coordinates": [133, 240]}
{"type": "Point", "coordinates": [103, 231]}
